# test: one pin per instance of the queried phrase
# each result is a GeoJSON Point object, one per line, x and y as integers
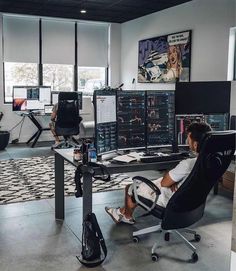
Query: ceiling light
{"type": "Point", "coordinates": [83, 11]}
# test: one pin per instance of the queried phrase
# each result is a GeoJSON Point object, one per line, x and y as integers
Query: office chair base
{"type": "Point", "coordinates": [157, 228]}
{"type": "Point", "coordinates": [147, 230]}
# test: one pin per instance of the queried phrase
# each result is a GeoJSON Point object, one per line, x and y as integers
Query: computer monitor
{"type": "Point", "coordinates": [55, 95]}
{"type": "Point", "coordinates": [105, 121]}
{"type": "Point", "coordinates": [218, 122]}
{"type": "Point", "coordinates": [29, 98]}
{"type": "Point", "coordinates": [48, 109]}
{"type": "Point", "coordinates": [182, 123]}
{"type": "Point", "coordinates": [160, 118]}
{"type": "Point", "coordinates": [202, 97]}
{"type": "Point", "coordinates": [131, 119]}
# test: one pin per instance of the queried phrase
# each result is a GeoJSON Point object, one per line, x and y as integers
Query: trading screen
{"type": "Point", "coordinates": [105, 121]}
{"type": "Point", "coordinates": [131, 121]}
{"type": "Point", "coordinates": [160, 118]}
{"type": "Point", "coordinates": [182, 123]}
{"type": "Point", "coordinates": [27, 98]}
{"type": "Point", "coordinates": [218, 122]}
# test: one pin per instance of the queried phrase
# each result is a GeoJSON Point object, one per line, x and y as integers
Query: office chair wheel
{"type": "Point", "coordinates": [197, 237]}
{"type": "Point", "coordinates": [135, 239]}
{"type": "Point", "coordinates": [155, 257]}
{"type": "Point", "coordinates": [167, 236]}
{"type": "Point", "coordinates": [194, 257]}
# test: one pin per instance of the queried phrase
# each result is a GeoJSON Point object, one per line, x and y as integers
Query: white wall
{"type": "Point", "coordinates": [114, 55]}
{"type": "Point", "coordinates": [10, 118]}
{"type": "Point", "coordinates": [209, 20]}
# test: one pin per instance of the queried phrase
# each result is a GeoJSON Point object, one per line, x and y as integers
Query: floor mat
{"type": "Point", "coordinates": [33, 178]}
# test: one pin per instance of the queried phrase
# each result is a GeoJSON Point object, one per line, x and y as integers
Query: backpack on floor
{"type": "Point", "coordinates": [92, 243]}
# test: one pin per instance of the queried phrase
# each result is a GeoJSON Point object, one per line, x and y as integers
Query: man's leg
{"type": "Point", "coordinates": [52, 128]}
{"type": "Point", "coordinates": [123, 214]}
{"type": "Point", "coordinates": [130, 205]}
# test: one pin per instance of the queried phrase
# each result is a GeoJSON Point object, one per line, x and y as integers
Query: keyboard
{"type": "Point", "coordinates": [163, 157]}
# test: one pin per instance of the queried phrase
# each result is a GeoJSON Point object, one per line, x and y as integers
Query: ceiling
{"type": "Point", "coordinates": [117, 11]}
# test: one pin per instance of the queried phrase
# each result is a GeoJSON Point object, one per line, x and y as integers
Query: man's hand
{"type": "Point", "coordinates": [174, 187]}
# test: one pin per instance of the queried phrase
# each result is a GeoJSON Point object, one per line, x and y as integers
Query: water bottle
{"type": "Point", "coordinates": [92, 154]}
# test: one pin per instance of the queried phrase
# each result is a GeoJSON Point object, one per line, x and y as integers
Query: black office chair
{"type": "Point", "coordinates": [68, 119]}
{"type": "Point", "coordinates": [233, 122]}
{"type": "Point", "coordinates": [187, 204]}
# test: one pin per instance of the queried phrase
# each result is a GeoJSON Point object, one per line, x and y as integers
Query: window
{"type": "Point", "coordinates": [20, 52]}
{"type": "Point", "coordinates": [58, 76]}
{"type": "Point", "coordinates": [43, 51]}
{"type": "Point", "coordinates": [91, 78]}
{"type": "Point", "coordinates": [19, 74]}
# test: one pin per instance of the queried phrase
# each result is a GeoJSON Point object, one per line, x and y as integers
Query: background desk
{"type": "Point", "coordinates": [67, 154]}
{"type": "Point", "coordinates": [37, 134]}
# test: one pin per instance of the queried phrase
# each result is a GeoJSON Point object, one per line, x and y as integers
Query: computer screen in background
{"type": "Point", "coordinates": [182, 123]}
{"type": "Point", "coordinates": [202, 97]}
{"type": "Point", "coordinates": [218, 122]}
{"type": "Point", "coordinates": [48, 109]}
{"type": "Point", "coordinates": [105, 121]}
{"type": "Point", "coordinates": [131, 119]}
{"type": "Point", "coordinates": [29, 98]}
{"type": "Point", "coordinates": [160, 118]}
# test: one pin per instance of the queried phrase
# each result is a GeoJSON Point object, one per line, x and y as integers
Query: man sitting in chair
{"type": "Point", "coordinates": [167, 184]}
{"type": "Point", "coordinates": [52, 125]}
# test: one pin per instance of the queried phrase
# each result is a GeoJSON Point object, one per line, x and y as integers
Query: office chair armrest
{"type": "Point", "coordinates": [149, 183]}
{"type": "Point", "coordinates": [152, 186]}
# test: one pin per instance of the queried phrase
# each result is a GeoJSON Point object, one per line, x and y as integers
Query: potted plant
{"type": "Point", "coordinates": [4, 136]}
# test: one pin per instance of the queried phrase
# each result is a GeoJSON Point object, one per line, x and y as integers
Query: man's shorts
{"type": "Point", "coordinates": [146, 192]}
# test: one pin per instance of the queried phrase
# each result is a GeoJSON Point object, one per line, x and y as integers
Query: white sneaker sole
{"type": "Point", "coordinates": [113, 218]}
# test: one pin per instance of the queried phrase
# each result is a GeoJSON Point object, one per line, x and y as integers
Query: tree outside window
{"type": "Point", "coordinates": [59, 77]}
{"type": "Point", "coordinates": [19, 74]}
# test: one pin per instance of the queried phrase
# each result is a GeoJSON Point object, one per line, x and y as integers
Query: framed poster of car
{"type": "Point", "coordinates": [165, 59]}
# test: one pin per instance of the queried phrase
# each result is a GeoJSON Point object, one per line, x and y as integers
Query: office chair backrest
{"type": "Point", "coordinates": [233, 122]}
{"type": "Point", "coordinates": [67, 121]}
{"type": "Point", "coordinates": [187, 205]}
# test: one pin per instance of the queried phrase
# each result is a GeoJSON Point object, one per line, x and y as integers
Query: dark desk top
{"type": "Point", "coordinates": [67, 154]}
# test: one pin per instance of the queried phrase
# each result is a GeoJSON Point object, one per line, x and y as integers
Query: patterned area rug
{"type": "Point", "coordinates": [33, 178]}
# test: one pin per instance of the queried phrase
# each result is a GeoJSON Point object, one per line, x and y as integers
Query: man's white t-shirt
{"type": "Point", "coordinates": [177, 174]}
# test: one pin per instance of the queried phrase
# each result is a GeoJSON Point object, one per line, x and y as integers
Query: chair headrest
{"type": "Point", "coordinates": [68, 96]}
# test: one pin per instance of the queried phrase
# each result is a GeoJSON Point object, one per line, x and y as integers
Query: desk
{"type": "Point", "coordinates": [37, 134]}
{"type": "Point", "coordinates": [62, 155]}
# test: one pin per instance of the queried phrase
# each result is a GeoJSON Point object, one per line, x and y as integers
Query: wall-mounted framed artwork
{"type": "Point", "coordinates": [165, 59]}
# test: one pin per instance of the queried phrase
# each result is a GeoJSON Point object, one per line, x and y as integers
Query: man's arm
{"type": "Point", "coordinates": [53, 116]}
{"type": "Point", "coordinates": [168, 182]}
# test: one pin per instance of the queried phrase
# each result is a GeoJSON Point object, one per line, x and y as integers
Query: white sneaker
{"type": "Point", "coordinates": [55, 145]}
{"type": "Point", "coordinates": [114, 213]}
{"type": "Point", "coordinates": [130, 221]}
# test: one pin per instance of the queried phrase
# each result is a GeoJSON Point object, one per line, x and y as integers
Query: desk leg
{"type": "Point", "coordinates": [32, 137]}
{"type": "Point", "coordinates": [36, 138]}
{"type": "Point", "coordinates": [59, 187]}
{"type": "Point", "coordinates": [87, 194]}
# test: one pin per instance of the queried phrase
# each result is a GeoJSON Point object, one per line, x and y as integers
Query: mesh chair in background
{"type": "Point", "coordinates": [68, 119]}
{"type": "Point", "coordinates": [187, 205]}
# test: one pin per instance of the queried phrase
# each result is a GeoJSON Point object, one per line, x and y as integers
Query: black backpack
{"type": "Point", "coordinates": [92, 242]}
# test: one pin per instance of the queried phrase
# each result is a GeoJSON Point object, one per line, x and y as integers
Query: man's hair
{"type": "Point", "coordinates": [198, 130]}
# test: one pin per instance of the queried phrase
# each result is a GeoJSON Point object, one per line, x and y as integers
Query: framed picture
{"type": "Point", "coordinates": [165, 59]}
